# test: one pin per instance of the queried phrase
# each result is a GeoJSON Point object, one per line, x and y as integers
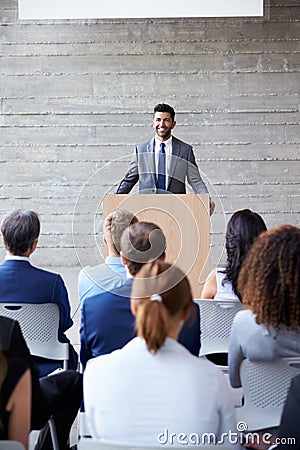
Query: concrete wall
{"type": "Point", "coordinates": [77, 95]}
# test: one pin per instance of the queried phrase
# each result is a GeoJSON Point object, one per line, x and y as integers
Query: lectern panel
{"type": "Point", "coordinates": [184, 219]}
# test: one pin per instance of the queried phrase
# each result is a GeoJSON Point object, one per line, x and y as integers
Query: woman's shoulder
{"type": "Point", "coordinates": [244, 318]}
{"type": "Point", "coordinates": [104, 361]}
{"type": "Point", "coordinates": [15, 370]}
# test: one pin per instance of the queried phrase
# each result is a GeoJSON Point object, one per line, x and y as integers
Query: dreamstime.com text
{"type": "Point", "coordinates": [241, 436]}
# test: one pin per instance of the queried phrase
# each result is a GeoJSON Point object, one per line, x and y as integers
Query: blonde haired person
{"type": "Point", "coordinates": [110, 275]}
{"type": "Point", "coordinates": [154, 390]}
{"type": "Point", "coordinates": [15, 400]}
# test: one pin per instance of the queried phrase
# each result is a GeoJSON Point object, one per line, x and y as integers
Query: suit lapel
{"type": "Point", "coordinates": [150, 149]}
{"type": "Point", "coordinates": [150, 160]}
{"type": "Point", "coordinates": [174, 159]}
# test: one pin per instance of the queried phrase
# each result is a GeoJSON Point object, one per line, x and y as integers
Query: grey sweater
{"type": "Point", "coordinates": [256, 342]}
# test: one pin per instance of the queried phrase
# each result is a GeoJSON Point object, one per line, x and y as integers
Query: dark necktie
{"type": "Point", "coordinates": [161, 176]}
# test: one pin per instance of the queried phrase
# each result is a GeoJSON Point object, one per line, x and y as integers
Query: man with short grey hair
{"type": "Point", "coordinates": [21, 282]}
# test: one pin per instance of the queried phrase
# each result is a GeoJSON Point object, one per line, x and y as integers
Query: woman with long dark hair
{"type": "Point", "coordinates": [242, 229]}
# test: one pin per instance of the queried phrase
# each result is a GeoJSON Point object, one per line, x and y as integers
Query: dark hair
{"type": "Point", "coordinates": [19, 230]}
{"type": "Point", "coordinates": [140, 243]}
{"type": "Point", "coordinates": [269, 280]}
{"type": "Point", "coordinates": [173, 290]}
{"type": "Point", "coordinates": [163, 107]}
{"type": "Point", "coordinates": [243, 227]}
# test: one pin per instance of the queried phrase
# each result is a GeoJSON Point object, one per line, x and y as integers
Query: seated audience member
{"type": "Point", "coordinates": [15, 400]}
{"type": "Point", "coordinates": [110, 275]}
{"type": "Point", "coordinates": [288, 436]}
{"type": "Point", "coordinates": [20, 282]}
{"type": "Point", "coordinates": [153, 387]}
{"type": "Point", "coordinates": [269, 286]}
{"type": "Point", "coordinates": [57, 395]}
{"type": "Point", "coordinates": [107, 323]}
{"type": "Point", "coordinates": [140, 245]}
{"type": "Point", "coordinates": [242, 229]}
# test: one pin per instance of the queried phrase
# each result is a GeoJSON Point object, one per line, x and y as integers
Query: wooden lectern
{"type": "Point", "coordinates": [184, 219]}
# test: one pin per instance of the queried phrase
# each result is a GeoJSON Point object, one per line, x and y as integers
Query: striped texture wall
{"type": "Point", "coordinates": [75, 96]}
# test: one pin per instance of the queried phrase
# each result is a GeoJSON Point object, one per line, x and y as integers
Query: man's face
{"type": "Point", "coordinates": [163, 125]}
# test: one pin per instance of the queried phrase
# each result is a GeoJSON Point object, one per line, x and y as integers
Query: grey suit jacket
{"type": "Point", "coordinates": [182, 166]}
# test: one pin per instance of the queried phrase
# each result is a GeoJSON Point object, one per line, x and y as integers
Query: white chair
{"type": "Point", "coordinates": [39, 324]}
{"type": "Point", "coordinates": [95, 444]}
{"type": "Point", "coordinates": [216, 317]}
{"type": "Point", "coordinates": [265, 385]}
{"type": "Point", "coordinates": [11, 445]}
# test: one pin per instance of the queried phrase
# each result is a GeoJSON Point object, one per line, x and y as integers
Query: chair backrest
{"type": "Point", "coordinates": [95, 444]}
{"type": "Point", "coordinates": [216, 317]}
{"type": "Point", "coordinates": [265, 385]}
{"type": "Point", "coordinates": [11, 445]}
{"type": "Point", "coordinates": [39, 324]}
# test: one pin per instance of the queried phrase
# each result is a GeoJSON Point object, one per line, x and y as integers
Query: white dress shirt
{"type": "Point", "coordinates": [17, 258]}
{"type": "Point", "coordinates": [134, 396]}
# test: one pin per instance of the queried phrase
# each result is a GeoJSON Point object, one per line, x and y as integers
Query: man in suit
{"type": "Point", "coordinates": [107, 323]}
{"type": "Point", "coordinates": [163, 164]}
{"type": "Point", "coordinates": [20, 282]}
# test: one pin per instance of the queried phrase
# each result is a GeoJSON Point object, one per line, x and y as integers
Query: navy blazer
{"type": "Point", "coordinates": [107, 324]}
{"type": "Point", "coordinates": [20, 282]}
{"type": "Point", "coordinates": [183, 167]}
